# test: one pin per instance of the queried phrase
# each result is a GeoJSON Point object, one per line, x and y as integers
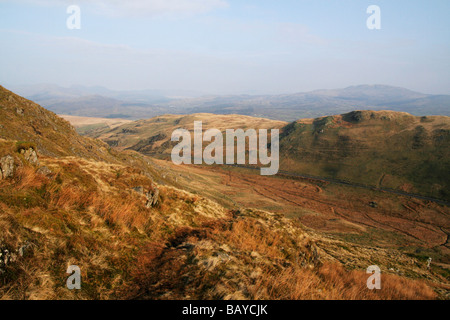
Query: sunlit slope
{"type": "Point", "coordinates": [89, 214]}
{"type": "Point", "coordinates": [68, 200]}
{"type": "Point", "coordinates": [152, 136]}
{"type": "Point", "coordinates": [383, 149]}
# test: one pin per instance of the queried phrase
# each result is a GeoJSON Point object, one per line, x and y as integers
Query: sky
{"type": "Point", "coordinates": [226, 46]}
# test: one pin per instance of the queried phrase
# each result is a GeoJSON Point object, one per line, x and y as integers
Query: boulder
{"type": "Point", "coordinates": [31, 156]}
{"type": "Point", "coordinates": [45, 171]}
{"type": "Point", "coordinates": [139, 189]}
{"type": "Point", "coordinates": [6, 257]}
{"type": "Point", "coordinates": [6, 167]}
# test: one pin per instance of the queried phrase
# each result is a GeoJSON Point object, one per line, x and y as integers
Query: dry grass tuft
{"type": "Point", "coordinates": [333, 282]}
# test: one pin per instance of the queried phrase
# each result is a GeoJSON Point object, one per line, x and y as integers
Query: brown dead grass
{"type": "Point", "coordinates": [27, 178]}
{"type": "Point", "coordinates": [250, 236]}
{"type": "Point", "coordinates": [187, 247]}
{"type": "Point", "coordinates": [192, 265]}
{"type": "Point", "coordinates": [333, 282]}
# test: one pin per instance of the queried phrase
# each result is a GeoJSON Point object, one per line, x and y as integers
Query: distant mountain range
{"type": "Point", "coordinates": [318, 103]}
{"type": "Point", "coordinates": [94, 101]}
{"type": "Point", "coordinates": [102, 102]}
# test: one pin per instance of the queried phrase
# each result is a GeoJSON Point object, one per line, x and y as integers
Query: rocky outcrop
{"type": "Point", "coordinates": [6, 167]}
{"type": "Point", "coordinates": [30, 155]}
{"type": "Point", "coordinates": [152, 195]}
{"type": "Point", "coordinates": [6, 257]}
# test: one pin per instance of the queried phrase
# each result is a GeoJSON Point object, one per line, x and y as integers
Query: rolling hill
{"type": "Point", "coordinates": [152, 136]}
{"type": "Point", "coordinates": [379, 148]}
{"type": "Point", "coordinates": [84, 125]}
{"type": "Point", "coordinates": [71, 200]}
{"type": "Point", "coordinates": [382, 149]}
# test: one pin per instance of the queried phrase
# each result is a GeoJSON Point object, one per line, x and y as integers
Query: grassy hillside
{"type": "Point", "coordinates": [24, 120]}
{"type": "Point", "coordinates": [134, 236]}
{"type": "Point", "coordinates": [378, 148]}
{"type": "Point", "coordinates": [84, 125]}
{"type": "Point", "coordinates": [370, 217]}
{"type": "Point", "coordinates": [86, 213]}
{"type": "Point", "coordinates": [152, 136]}
{"type": "Point", "coordinates": [383, 149]}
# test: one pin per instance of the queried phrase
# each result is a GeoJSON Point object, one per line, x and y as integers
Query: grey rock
{"type": "Point", "coordinates": [139, 189]}
{"type": "Point", "coordinates": [31, 156]}
{"type": "Point", "coordinates": [6, 167]}
{"type": "Point", "coordinates": [26, 249]}
{"type": "Point", "coordinates": [6, 258]}
{"type": "Point", "coordinates": [44, 171]}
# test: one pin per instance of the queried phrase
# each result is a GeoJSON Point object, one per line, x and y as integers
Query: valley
{"type": "Point", "coordinates": [140, 227]}
{"type": "Point", "coordinates": [387, 150]}
{"type": "Point", "coordinates": [362, 216]}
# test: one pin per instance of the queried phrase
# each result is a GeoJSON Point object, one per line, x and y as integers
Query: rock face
{"type": "Point", "coordinates": [6, 167]}
{"type": "Point", "coordinates": [31, 156]}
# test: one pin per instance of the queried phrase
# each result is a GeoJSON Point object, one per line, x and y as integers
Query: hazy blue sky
{"type": "Point", "coordinates": [227, 46]}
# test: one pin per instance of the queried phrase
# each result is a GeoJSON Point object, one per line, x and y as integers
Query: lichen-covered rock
{"type": "Point", "coordinates": [31, 156]}
{"type": "Point", "coordinates": [6, 167]}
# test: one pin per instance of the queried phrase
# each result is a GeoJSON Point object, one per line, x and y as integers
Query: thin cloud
{"type": "Point", "coordinates": [136, 7]}
{"type": "Point", "coordinates": [68, 42]}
